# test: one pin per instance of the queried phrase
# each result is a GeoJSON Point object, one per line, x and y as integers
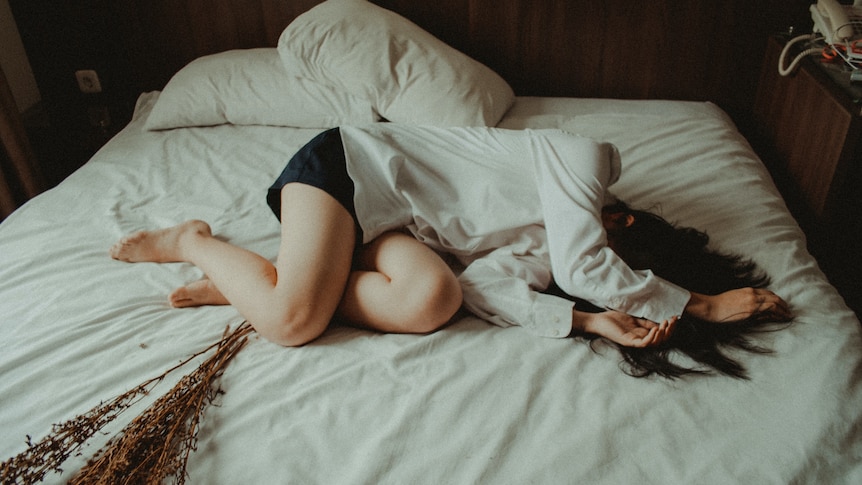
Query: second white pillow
{"type": "Point", "coordinates": [251, 87]}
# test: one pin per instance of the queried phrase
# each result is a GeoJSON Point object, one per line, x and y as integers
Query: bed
{"type": "Point", "coordinates": [470, 403]}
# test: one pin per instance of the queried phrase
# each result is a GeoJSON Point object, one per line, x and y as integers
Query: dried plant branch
{"type": "Point", "coordinates": [155, 445]}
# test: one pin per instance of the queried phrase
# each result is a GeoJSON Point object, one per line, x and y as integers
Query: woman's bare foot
{"type": "Point", "coordinates": [159, 246]}
{"type": "Point", "coordinates": [199, 293]}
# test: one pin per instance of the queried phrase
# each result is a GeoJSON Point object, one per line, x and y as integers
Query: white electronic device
{"type": "Point", "coordinates": [839, 25]}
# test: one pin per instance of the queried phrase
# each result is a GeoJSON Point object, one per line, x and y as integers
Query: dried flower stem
{"type": "Point", "coordinates": [153, 446]}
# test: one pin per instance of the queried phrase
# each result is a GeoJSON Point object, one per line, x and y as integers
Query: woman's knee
{"type": "Point", "coordinates": [422, 292]}
{"type": "Point", "coordinates": [291, 328]}
{"type": "Point", "coordinates": [436, 297]}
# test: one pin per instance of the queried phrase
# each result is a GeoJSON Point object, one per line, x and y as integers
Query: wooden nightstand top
{"type": "Point", "coordinates": [835, 75]}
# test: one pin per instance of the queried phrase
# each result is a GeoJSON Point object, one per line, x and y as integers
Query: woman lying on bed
{"type": "Point", "coordinates": [364, 211]}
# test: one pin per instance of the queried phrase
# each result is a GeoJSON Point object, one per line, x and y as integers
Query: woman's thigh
{"type": "Point", "coordinates": [400, 285]}
{"type": "Point", "coordinates": [314, 259]}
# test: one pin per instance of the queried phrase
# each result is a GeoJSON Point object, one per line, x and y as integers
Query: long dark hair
{"type": "Point", "coordinates": [681, 256]}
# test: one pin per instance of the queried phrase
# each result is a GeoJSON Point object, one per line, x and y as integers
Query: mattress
{"type": "Point", "coordinates": [470, 403]}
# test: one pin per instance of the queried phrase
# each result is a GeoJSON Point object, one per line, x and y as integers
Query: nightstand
{"type": "Point", "coordinates": [809, 134]}
{"type": "Point", "coordinates": [61, 148]}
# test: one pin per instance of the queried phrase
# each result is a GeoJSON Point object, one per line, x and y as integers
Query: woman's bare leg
{"type": "Point", "coordinates": [159, 246]}
{"type": "Point", "coordinates": [199, 293]}
{"type": "Point", "coordinates": [291, 302]}
{"type": "Point", "coordinates": [401, 286]}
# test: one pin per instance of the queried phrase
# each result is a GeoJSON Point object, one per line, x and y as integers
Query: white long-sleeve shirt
{"type": "Point", "coordinates": [515, 207]}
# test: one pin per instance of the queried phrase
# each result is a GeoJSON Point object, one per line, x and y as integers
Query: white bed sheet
{"type": "Point", "coordinates": [471, 403]}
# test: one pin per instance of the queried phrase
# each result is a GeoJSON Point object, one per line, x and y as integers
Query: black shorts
{"type": "Point", "coordinates": [320, 163]}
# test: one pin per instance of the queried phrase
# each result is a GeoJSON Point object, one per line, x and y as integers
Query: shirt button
{"type": "Point", "coordinates": [555, 333]}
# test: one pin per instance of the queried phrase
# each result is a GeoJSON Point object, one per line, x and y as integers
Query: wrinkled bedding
{"type": "Point", "coordinates": [471, 403]}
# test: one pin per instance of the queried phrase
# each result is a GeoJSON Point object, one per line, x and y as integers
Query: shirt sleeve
{"type": "Point", "coordinates": [573, 174]}
{"type": "Point", "coordinates": [501, 288]}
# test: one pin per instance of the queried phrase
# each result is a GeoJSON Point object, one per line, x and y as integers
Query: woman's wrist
{"type": "Point", "coordinates": [583, 322]}
{"type": "Point", "coordinates": [698, 306]}
{"type": "Point", "coordinates": [580, 322]}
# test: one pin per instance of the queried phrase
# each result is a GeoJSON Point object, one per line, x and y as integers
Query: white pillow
{"type": "Point", "coordinates": [406, 73]}
{"type": "Point", "coordinates": [251, 87]}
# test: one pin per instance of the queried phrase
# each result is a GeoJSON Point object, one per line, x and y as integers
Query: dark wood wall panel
{"type": "Point", "coordinates": [164, 35]}
{"type": "Point", "coordinates": [677, 49]}
{"type": "Point", "coordinates": [446, 19]}
{"type": "Point", "coordinates": [698, 50]}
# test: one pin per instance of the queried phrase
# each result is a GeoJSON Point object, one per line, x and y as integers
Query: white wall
{"type": "Point", "coordinates": [14, 61]}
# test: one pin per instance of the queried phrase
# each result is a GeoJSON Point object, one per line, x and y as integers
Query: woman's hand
{"type": "Point", "coordinates": [738, 305]}
{"type": "Point", "coordinates": [623, 329]}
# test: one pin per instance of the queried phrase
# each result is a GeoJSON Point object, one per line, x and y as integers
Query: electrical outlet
{"type": "Point", "coordinates": [88, 81]}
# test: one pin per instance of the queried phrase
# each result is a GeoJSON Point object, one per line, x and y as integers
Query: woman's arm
{"type": "Point", "coordinates": [737, 305]}
{"type": "Point", "coordinates": [731, 306]}
{"type": "Point", "coordinates": [503, 288]}
{"type": "Point", "coordinates": [621, 328]}
{"type": "Point", "coordinates": [573, 174]}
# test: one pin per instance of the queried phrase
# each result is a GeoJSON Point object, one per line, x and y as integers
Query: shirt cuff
{"type": "Point", "coordinates": [665, 301]}
{"type": "Point", "coordinates": [551, 317]}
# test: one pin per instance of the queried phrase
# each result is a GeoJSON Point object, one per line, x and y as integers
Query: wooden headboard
{"type": "Point", "coordinates": [674, 49]}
